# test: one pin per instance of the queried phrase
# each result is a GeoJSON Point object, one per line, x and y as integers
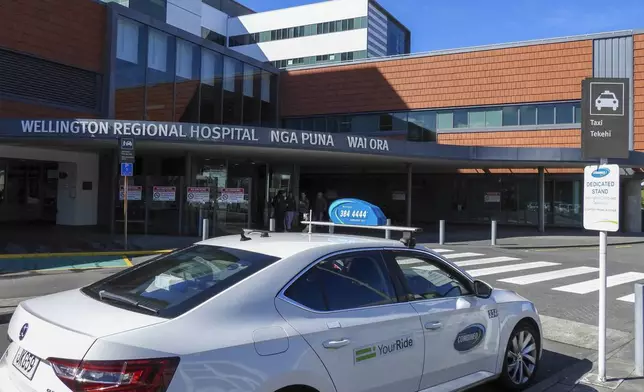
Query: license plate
{"type": "Point", "coordinates": [26, 362]}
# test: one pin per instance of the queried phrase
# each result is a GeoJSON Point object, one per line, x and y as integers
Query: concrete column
{"type": "Point", "coordinates": [632, 191]}
{"type": "Point", "coordinates": [409, 187]}
{"type": "Point", "coordinates": [541, 190]}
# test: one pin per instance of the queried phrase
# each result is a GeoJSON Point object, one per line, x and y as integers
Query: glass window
{"type": "Point", "coordinates": [460, 119]}
{"type": "Point", "coordinates": [510, 115]}
{"type": "Point", "coordinates": [577, 113]}
{"type": "Point", "coordinates": [252, 89]}
{"type": "Point", "coordinates": [393, 122]}
{"type": "Point", "coordinates": [565, 113]}
{"type": "Point", "coordinates": [528, 115]}
{"type": "Point", "coordinates": [477, 118]}
{"type": "Point", "coordinates": [269, 99]}
{"type": "Point", "coordinates": [293, 123]}
{"type": "Point", "coordinates": [188, 75]}
{"type": "Point", "coordinates": [427, 278]}
{"type": "Point", "coordinates": [345, 282]}
{"type": "Point", "coordinates": [546, 114]}
{"type": "Point", "coordinates": [130, 70]}
{"type": "Point", "coordinates": [160, 76]}
{"type": "Point", "coordinates": [445, 120]}
{"type": "Point", "coordinates": [211, 87]}
{"type": "Point", "coordinates": [340, 124]}
{"type": "Point", "coordinates": [365, 123]}
{"type": "Point", "coordinates": [233, 82]}
{"type": "Point", "coordinates": [319, 124]}
{"type": "Point", "coordinates": [494, 117]}
{"type": "Point", "coordinates": [422, 126]}
{"type": "Point", "coordinates": [173, 284]}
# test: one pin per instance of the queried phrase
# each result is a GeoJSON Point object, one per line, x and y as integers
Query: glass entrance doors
{"type": "Point", "coordinates": [28, 191]}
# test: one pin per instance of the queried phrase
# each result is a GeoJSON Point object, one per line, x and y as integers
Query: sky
{"type": "Point", "coordinates": [447, 24]}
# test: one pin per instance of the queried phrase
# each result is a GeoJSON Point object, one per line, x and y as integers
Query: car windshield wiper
{"type": "Point", "coordinates": [104, 294]}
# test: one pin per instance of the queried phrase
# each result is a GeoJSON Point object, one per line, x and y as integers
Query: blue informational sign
{"type": "Point", "coordinates": [356, 212]}
{"type": "Point", "coordinates": [127, 169]}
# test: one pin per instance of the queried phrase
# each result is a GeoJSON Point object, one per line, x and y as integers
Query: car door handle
{"type": "Point", "coordinates": [434, 325]}
{"type": "Point", "coordinates": [336, 343]}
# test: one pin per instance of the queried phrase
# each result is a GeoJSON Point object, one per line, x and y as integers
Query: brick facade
{"type": "Point", "coordinates": [16, 109]}
{"type": "Point", "coordinates": [70, 32]}
{"type": "Point", "coordinates": [536, 73]}
{"type": "Point", "coordinates": [638, 92]}
{"type": "Point", "coordinates": [552, 138]}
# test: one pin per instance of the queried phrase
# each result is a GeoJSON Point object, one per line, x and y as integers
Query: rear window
{"type": "Point", "coordinates": [177, 282]}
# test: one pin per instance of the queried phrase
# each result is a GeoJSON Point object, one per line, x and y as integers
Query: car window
{"type": "Point", "coordinates": [429, 278]}
{"type": "Point", "coordinates": [179, 281]}
{"type": "Point", "coordinates": [345, 282]}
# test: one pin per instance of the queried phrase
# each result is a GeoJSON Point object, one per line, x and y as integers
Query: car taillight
{"type": "Point", "coordinates": [147, 375]}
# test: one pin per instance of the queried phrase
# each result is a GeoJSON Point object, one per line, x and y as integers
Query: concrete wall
{"type": "Point", "coordinates": [76, 207]}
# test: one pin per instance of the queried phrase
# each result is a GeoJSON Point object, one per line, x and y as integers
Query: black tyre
{"type": "Point", "coordinates": [521, 360]}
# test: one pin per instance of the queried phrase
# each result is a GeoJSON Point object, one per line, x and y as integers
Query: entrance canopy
{"type": "Point", "coordinates": [305, 147]}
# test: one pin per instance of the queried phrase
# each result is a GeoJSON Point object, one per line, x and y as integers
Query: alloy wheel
{"type": "Point", "coordinates": [521, 357]}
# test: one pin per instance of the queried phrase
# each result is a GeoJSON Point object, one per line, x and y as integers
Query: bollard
{"type": "Point", "coordinates": [388, 232]}
{"type": "Point", "coordinates": [639, 329]}
{"type": "Point", "coordinates": [493, 239]}
{"type": "Point", "coordinates": [331, 229]}
{"type": "Point", "coordinates": [271, 224]}
{"type": "Point", "coordinates": [310, 220]}
{"type": "Point", "coordinates": [441, 232]}
{"type": "Point", "coordinates": [204, 229]}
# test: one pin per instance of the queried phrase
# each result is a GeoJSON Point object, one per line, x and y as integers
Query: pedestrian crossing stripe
{"type": "Point", "coordinates": [584, 287]}
{"type": "Point", "coordinates": [593, 285]}
{"type": "Point", "coordinates": [489, 260]}
{"type": "Point", "coordinates": [510, 268]}
{"type": "Point", "coordinates": [627, 298]}
{"type": "Point", "coordinates": [550, 275]}
{"type": "Point", "coordinates": [461, 255]}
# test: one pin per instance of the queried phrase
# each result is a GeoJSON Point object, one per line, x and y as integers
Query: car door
{"type": "Point", "coordinates": [461, 330]}
{"type": "Point", "coordinates": [346, 307]}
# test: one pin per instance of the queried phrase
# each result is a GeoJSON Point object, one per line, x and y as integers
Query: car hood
{"type": "Point", "coordinates": [505, 296]}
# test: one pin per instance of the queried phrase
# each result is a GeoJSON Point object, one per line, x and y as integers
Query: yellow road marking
{"type": "Point", "coordinates": [127, 261]}
{"type": "Point", "coordinates": [624, 246]}
{"type": "Point", "coordinates": [86, 254]}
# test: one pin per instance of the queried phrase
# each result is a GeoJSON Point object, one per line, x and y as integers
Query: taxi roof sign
{"type": "Point", "coordinates": [356, 212]}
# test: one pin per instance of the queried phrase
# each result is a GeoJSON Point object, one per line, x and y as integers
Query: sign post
{"type": "Point", "coordinates": [127, 157]}
{"type": "Point", "coordinates": [604, 135]}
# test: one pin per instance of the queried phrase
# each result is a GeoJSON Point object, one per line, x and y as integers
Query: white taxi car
{"type": "Point", "coordinates": [277, 312]}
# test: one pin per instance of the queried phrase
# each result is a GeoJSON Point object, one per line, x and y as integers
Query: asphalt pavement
{"type": "Point", "coordinates": [561, 281]}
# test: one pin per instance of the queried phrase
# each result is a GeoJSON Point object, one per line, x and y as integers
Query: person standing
{"type": "Point", "coordinates": [279, 208]}
{"type": "Point", "coordinates": [320, 206]}
{"type": "Point", "coordinates": [304, 206]}
{"type": "Point", "coordinates": [291, 211]}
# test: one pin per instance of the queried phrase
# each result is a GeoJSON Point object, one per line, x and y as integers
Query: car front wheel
{"type": "Point", "coordinates": [521, 358]}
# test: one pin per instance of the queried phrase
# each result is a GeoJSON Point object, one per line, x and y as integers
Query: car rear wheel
{"type": "Point", "coordinates": [521, 358]}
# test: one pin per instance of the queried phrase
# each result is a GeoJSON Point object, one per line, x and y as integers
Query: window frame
{"type": "Point", "coordinates": [399, 290]}
{"type": "Point", "coordinates": [463, 278]}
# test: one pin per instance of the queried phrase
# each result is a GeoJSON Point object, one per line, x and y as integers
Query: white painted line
{"type": "Point", "coordinates": [409, 261]}
{"type": "Point", "coordinates": [510, 268]}
{"type": "Point", "coordinates": [441, 250]}
{"type": "Point", "coordinates": [489, 260]}
{"type": "Point", "coordinates": [461, 255]}
{"type": "Point", "coordinates": [551, 275]}
{"type": "Point", "coordinates": [628, 298]}
{"type": "Point", "coordinates": [593, 285]}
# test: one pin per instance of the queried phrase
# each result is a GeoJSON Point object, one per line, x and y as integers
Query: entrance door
{"type": "Point", "coordinates": [28, 191]}
{"type": "Point", "coordinates": [235, 204]}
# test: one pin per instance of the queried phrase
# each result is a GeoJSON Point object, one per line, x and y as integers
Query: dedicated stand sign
{"type": "Point", "coordinates": [604, 135]}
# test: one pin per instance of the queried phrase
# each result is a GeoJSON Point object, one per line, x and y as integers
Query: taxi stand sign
{"type": "Point", "coordinates": [601, 198]}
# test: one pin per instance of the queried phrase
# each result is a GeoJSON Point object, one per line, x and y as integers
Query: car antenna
{"type": "Point", "coordinates": [243, 237]}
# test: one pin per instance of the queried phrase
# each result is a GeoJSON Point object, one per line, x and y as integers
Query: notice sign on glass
{"type": "Point", "coordinates": [492, 197]}
{"type": "Point", "coordinates": [601, 197]}
{"type": "Point", "coordinates": [231, 195]}
{"type": "Point", "coordinates": [163, 193]}
{"type": "Point", "coordinates": [134, 192]}
{"type": "Point", "coordinates": [198, 195]}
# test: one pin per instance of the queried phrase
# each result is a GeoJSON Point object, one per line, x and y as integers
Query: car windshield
{"type": "Point", "coordinates": [607, 96]}
{"type": "Point", "coordinates": [177, 282]}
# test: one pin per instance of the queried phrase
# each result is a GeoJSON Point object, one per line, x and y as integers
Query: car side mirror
{"type": "Point", "coordinates": [482, 289]}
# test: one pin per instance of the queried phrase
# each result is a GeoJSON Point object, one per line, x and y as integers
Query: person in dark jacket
{"type": "Point", "coordinates": [279, 210]}
{"type": "Point", "coordinates": [319, 207]}
{"type": "Point", "coordinates": [291, 211]}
